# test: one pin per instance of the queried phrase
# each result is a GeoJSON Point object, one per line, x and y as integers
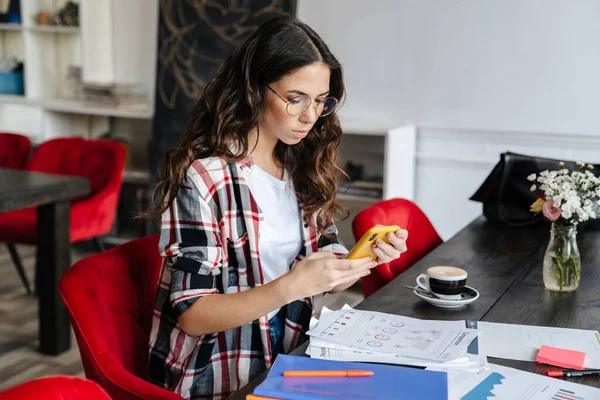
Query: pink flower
{"type": "Point", "coordinates": [551, 212]}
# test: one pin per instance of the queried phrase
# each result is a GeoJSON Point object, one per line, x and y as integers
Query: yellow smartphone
{"type": "Point", "coordinates": [364, 247]}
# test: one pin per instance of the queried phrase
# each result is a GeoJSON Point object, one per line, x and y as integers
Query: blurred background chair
{"type": "Point", "coordinates": [101, 162]}
{"type": "Point", "coordinates": [56, 388]}
{"type": "Point", "coordinates": [422, 238]}
{"type": "Point", "coordinates": [14, 151]}
{"type": "Point", "coordinates": [119, 285]}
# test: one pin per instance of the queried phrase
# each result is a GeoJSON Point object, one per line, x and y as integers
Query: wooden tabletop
{"type": "Point", "coordinates": [505, 265]}
{"type": "Point", "coordinates": [23, 189]}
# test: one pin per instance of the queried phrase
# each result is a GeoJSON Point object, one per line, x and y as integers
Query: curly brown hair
{"type": "Point", "coordinates": [233, 104]}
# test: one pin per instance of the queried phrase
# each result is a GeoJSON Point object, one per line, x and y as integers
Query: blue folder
{"type": "Point", "coordinates": [387, 382]}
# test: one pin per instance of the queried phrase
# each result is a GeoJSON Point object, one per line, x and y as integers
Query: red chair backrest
{"type": "Point", "coordinates": [14, 150]}
{"type": "Point", "coordinates": [110, 298]}
{"type": "Point", "coordinates": [422, 237]}
{"type": "Point", "coordinates": [101, 161]}
{"type": "Point", "coordinates": [56, 388]}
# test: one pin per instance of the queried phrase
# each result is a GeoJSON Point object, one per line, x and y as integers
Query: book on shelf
{"type": "Point", "coordinates": [114, 95]}
{"type": "Point", "coordinates": [131, 95]}
{"type": "Point", "coordinates": [362, 189]}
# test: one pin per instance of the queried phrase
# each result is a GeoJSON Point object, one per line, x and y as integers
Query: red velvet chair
{"type": "Point", "coordinates": [422, 237]}
{"type": "Point", "coordinates": [101, 161]}
{"type": "Point", "coordinates": [56, 388]}
{"type": "Point", "coordinates": [14, 151]}
{"type": "Point", "coordinates": [110, 298]}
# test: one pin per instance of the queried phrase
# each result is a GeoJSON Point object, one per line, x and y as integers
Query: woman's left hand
{"type": "Point", "coordinates": [389, 252]}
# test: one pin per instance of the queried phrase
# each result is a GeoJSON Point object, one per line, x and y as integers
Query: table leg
{"type": "Point", "coordinates": [52, 261]}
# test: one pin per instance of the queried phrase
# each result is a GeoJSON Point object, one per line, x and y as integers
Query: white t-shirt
{"type": "Point", "coordinates": [280, 238]}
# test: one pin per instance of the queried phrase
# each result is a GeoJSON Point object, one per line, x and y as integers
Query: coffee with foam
{"type": "Point", "coordinates": [447, 273]}
{"type": "Point", "coordinates": [444, 281]}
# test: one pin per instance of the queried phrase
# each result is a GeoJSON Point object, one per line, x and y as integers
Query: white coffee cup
{"type": "Point", "coordinates": [445, 282]}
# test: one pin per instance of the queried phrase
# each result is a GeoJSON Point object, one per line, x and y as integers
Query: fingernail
{"type": "Point", "coordinates": [379, 241]}
{"type": "Point", "coordinates": [374, 246]}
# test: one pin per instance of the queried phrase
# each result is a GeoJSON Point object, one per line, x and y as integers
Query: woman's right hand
{"type": "Point", "coordinates": [321, 271]}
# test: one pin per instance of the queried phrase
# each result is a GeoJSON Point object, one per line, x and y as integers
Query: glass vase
{"type": "Point", "coordinates": [562, 263]}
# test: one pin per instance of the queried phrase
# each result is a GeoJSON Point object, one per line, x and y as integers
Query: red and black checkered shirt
{"type": "Point", "coordinates": [209, 239]}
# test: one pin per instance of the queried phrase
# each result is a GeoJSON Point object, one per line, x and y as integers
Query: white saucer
{"type": "Point", "coordinates": [467, 297]}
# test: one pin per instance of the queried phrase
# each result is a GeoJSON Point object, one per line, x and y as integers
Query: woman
{"type": "Point", "coordinates": [248, 201]}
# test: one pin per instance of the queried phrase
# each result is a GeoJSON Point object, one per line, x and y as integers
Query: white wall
{"type": "Point", "coordinates": [120, 42]}
{"type": "Point", "coordinates": [476, 78]}
{"type": "Point", "coordinates": [98, 35]}
{"type": "Point", "coordinates": [523, 65]}
{"type": "Point", "coordinates": [135, 43]}
{"type": "Point", "coordinates": [452, 163]}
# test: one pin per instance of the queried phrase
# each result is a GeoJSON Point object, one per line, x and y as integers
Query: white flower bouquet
{"type": "Point", "coordinates": [568, 198]}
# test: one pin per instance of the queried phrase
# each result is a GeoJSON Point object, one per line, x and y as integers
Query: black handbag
{"type": "Point", "coordinates": [506, 194]}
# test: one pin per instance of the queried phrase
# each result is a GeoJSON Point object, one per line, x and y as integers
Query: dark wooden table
{"type": "Point", "coordinates": [505, 265]}
{"type": "Point", "coordinates": [51, 194]}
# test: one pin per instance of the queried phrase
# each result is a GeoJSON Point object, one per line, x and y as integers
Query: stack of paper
{"type": "Point", "coordinates": [354, 335]}
{"type": "Point", "coordinates": [523, 342]}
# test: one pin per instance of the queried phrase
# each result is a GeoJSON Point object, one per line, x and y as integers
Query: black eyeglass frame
{"type": "Point", "coordinates": [316, 104]}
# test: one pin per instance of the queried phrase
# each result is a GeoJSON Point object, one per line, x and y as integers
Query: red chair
{"type": "Point", "coordinates": [56, 388]}
{"type": "Point", "coordinates": [14, 150]}
{"type": "Point", "coordinates": [101, 161]}
{"type": "Point", "coordinates": [422, 238]}
{"type": "Point", "coordinates": [110, 298]}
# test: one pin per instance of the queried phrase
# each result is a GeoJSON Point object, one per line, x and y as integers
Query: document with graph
{"type": "Point", "coordinates": [502, 383]}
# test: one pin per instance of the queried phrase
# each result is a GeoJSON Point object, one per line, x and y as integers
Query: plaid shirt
{"type": "Point", "coordinates": [209, 238]}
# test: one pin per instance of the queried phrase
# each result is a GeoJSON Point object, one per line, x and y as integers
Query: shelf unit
{"type": "Point", "coordinates": [114, 44]}
{"type": "Point", "coordinates": [76, 107]}
{"type": "Point", "coordinates": [54, 29]}
{"type": "Point", "coordinates": [10, 27]}
{"type": "Point", "coordinates": [387, 151]}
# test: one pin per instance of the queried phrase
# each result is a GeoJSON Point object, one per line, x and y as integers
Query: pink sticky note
{"type": "Point", "coordinates": [561, 357]}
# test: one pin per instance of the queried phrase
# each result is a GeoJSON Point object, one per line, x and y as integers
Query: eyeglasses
{"type": "Point", "coordinates": [298, 105]}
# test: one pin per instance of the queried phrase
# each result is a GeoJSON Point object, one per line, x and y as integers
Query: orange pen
{"type": "Point", "coordinates": [255, 397]}
{"type": "Point", "coordinates": [355, 372]}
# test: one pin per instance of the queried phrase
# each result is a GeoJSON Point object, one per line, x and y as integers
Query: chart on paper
{"type": "Point", "coordinates": [395, 334]}
{"type": "Point", "coordinates": [502, 383]}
